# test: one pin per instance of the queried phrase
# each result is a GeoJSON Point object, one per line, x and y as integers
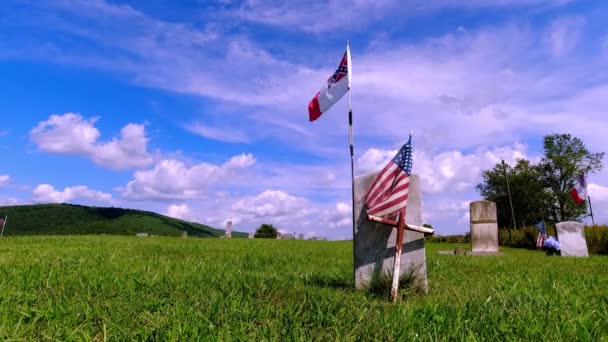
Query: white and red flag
{"type": "Point", "coordinates": [579, 192]}
{"type": "Point", "coordinates": [337, 85]}
{"type": "Point", "coordinates": [388, 194]}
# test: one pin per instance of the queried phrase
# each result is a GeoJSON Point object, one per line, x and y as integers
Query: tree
{"type": "Point", "coordinates": [541, 191]}
{"type": "Point", "coordinates": [527, 192]}
{"type": "Point", "coordinates": [565, 159]}
{"type": "Point", "coordinates": [266, 231]}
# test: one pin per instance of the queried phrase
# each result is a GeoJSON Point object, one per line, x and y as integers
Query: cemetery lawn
{"type": "Point", "coordinates": [163, 288]}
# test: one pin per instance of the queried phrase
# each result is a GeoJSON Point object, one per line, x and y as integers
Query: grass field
{"type": "Point", "coordinates": [122, 288]}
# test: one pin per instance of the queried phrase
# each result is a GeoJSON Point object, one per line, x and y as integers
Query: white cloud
{"type": "Point", "coordinates": [598, 192]}
{"type": "Point", "coordinates": [46, 193]}
{"type": "Point", "coordinates": [271, 204]}
{"type": "Point", "coordinates": [339, 15]}
{"type": "Point", "coordinates": [70, 133]}
{"type": "Point", "coordinates": [173, 179]}
{"type": "Point", "coordinates": [292, 213]}
{"type": "Point", "coordinates": [599, 201]}
{"type": "Point", "coordinates": [4, 180]}
{"type": "Point", "coordinates": [231, 135]}
{"type": "Point", "coordinates": [179, 211]}
{"type": "Point", "coordinates": [449, 170]}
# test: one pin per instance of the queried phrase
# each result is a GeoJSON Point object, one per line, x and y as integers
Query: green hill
{"type": "Point", "coordinates": [52, 219]}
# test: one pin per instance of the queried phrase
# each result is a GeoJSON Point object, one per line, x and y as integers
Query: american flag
{"type": "Point", "coordinates": [542, 233]}
{"type": "Point", "coordinates": [389, 192]}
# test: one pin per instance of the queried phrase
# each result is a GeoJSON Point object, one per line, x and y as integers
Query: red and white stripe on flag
{"type": "Point", "coordinates": [540, 239]}
{"type": "Point", "coordinates": [337, 85]}
{"type": "Point", "coordinates": [389, 193]}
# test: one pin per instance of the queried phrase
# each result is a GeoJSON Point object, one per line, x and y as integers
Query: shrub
{"type": "Point", "coordinates": [267, 231]}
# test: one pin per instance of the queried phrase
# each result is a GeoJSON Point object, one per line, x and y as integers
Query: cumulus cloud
{"type": "Point", "coordinates": [447, 170]}
{"type": "Point", "coordinates": [46, 193]}
{"type": "Point", "coordinates": [174, 179]}
{"type": "Point", "coordinates": [271, 204]}
{"type": "Point", "coordinates": [179, 211]}
{"type": "Point", "coordinates": [292, 213]}
{"type": "Point", "coordinates": [70, 133]}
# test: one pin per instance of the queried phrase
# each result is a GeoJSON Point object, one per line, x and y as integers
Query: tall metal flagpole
{"type": "Point", "coordinates": [504, 170]}
{"type": "Point", "coordinates": [591, 210]}
{"type": "Point", "coordinates": [352, 157]}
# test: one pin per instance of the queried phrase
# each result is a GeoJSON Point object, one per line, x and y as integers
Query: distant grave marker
{"type": "Point", "coordinates": [251, 235]}
{"type": "Point", "coordinates": [228, 233]}
{"type": "Point", "coordinates": [142, 234]}
{"type": "Point", "coordinates": [571, 236]}
{"type": "Point", "coordinates": [484, 228]}
{"type": "Point", "coordinates": [184, 234]}
{"type": "Point", "coordinates": [375, 242]}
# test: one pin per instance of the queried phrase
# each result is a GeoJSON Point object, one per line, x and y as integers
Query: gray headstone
{"type": "Point", "coordinates": [251, 235]}
{"type": "Point", "coordinates": [375, 242]}
{"type": "Point", "coordinates": [301, 237]}
{"type": "Point", "coordinates": [184, 234]}
{"type": "Point", "coordinates": [484, 227]}
{"type": "Point", "coordinates": [571, 236]}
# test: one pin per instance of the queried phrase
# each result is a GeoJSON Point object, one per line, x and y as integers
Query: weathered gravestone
{"type": "Point", "coordinates": [484, 228]}
{"type": "Point", "coordinates": [184, 234]}
{"type": "Point", "coordinates": [251, 235]}
{"type": "Point", "coordinates": [375, 242]}
{"type": "Point", "coordinates": [571, 236]}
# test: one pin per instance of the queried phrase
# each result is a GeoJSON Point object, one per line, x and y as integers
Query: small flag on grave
{"type": "Point", "coordinates": [387, 197]}
{"type": "Point", "coordinates": [388, 194]}
{"type": "Point", "coordinates": [542, 233]}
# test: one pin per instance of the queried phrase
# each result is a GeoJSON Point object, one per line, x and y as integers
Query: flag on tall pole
{"type": "Point", "coordinates": [332, 91]}
{"type": "Point", "coordinates": [579, 192]}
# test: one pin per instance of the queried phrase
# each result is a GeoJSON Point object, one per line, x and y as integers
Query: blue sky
{"type": "Point", "coordinates": [198, 109]}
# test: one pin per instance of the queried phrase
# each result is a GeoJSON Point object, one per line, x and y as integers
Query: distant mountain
{"type": "Point", "coordinates": [52, 219]}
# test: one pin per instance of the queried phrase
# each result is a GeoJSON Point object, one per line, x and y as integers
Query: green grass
{"type": "Point", "coordinates": [72, 219]}
{"type": "Point", "coordinates": [125, 288]}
